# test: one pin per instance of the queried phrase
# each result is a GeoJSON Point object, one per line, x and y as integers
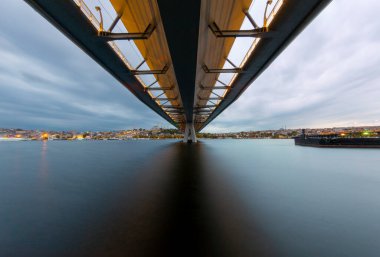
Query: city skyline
{"type": "Point", "coordinates": [327, 77]}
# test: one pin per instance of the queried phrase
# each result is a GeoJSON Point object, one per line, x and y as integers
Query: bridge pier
{"type": "Point", "coordinates": [189, 135]}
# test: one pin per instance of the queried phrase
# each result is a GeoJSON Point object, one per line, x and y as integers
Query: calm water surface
{"type": "Point", "coordinates": [164, 198]}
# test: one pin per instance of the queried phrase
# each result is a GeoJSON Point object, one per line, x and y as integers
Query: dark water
{"type": "Point", "coordinates": [163, 198]}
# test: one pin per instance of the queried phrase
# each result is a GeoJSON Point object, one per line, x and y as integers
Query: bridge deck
{"type": "Point", "coordinates": [183, 42]}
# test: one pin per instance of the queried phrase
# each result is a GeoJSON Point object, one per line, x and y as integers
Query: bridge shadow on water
{"type": "Point", "coordinates": [179, 205]}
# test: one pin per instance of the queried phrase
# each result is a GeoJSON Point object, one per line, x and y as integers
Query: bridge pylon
{"type": "Point", "coordinates": [189, 135]}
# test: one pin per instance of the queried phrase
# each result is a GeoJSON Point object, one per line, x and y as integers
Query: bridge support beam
{"type": "Point", "coordinates": [189, 135]}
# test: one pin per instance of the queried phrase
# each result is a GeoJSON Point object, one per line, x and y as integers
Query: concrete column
{"type": "Point", "coordinates": [189, 135]}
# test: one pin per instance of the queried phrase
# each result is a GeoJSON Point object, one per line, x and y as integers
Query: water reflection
{"type": "Point", "coordinates": [159, 198]}
{"type": "Point", "coordinates": [181, 206]}
{"type": "Point", "coordinates": [44, 167]}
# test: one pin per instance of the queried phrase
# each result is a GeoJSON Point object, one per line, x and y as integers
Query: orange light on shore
{"type": "Point", "coordinates": [45, 136]}
{"type": "Point", "coordinates": [18, 136]}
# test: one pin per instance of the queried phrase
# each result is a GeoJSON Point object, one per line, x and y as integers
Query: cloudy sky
{"type": "Point", "coordinates": [329, 76]}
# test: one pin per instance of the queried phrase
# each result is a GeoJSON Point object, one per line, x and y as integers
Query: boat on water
{"type": "Point", "coordinates": [336, 141]}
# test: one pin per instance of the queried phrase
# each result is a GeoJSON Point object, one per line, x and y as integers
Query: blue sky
{"type": "Point", "coordinates": [329, 76]}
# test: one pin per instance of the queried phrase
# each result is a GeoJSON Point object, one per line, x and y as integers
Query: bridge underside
{"type": "Point", "coordinates": [184, 48]}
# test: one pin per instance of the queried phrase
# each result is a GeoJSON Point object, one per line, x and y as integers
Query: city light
{"type": "Point", "coordinates": [45, 136]}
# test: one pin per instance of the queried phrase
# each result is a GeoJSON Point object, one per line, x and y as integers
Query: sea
{"type": "Point", "coordinates": [227, 197]}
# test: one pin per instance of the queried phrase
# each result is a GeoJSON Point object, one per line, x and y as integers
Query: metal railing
{"type": "Point", "coordinates": [97, 25]}
{"type": "Point", "coordinates": [267, 20]}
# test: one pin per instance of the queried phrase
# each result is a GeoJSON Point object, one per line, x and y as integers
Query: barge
{"type": "Point", "coordinates": [336, 141]}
